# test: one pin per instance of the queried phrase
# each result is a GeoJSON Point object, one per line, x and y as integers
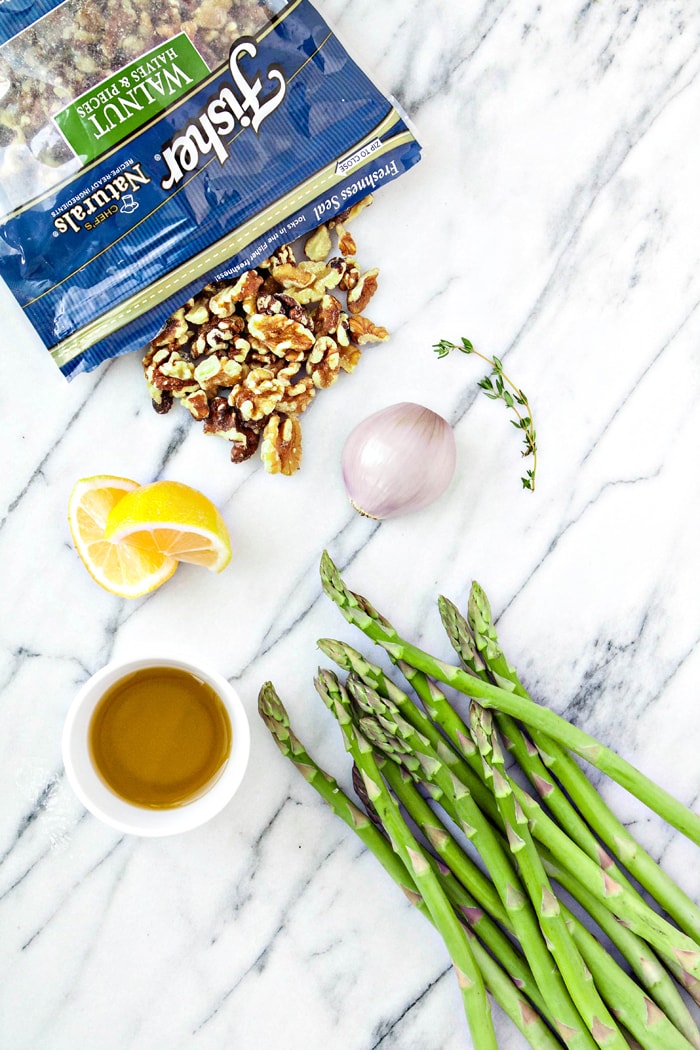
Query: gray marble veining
{"type": "Point", "coordinates": [555, 221]}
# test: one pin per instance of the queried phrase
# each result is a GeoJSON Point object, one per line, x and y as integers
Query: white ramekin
{"type": "Point", "coordinates": [137, 820]}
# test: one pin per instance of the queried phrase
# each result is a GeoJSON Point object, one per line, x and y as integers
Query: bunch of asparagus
{"type": "Point", "coordinates": [497, 851]}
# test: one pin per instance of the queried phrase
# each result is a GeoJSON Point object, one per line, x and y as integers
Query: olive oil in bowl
{"type": "Point", "coordinates": [159, 737]}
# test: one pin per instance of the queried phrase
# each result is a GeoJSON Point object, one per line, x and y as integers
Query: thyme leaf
{"type": "Point", "coordinates": [498, 386]}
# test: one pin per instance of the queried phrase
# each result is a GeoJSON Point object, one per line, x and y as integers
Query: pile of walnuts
{"type": "Point", "coordinates": [247, 357]}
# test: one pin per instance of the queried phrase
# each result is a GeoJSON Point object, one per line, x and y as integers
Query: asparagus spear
{"type": "Point", "coordinates": [500, 984]}
{"type": "Point", "coordinates": [629, 907]}
{"type": "Point", "coordinates": [638, 1014]}
{"type": "Point", "coordinates": [483, 652]}
{"type": "Point", "coordinates": [584, 794]}
{"type": "Point", "coordinates": [438, 707]}
{"type": "Point", "coordinates": [650, 973]}
{"type": "Point", "coordinates": [612, 832]}
{"type": "Point", "coordinates": [275, 717]}
{"type": "Point", "coordinates": [498, 863]}
{"type": "Point", "coordinates": [647, 1022]}
{"type": "Point", "coordinates": [651, 1024]}
{"type": "Point", "coordinates": [576, 976]}
{"type": "Point", "coordinates": [682, 953]}
{"type": "Point", "coordinates": [480, 892]}
{"type": "Point", "coordinates": [654, 1025]}
{"type": "Point", "coordinates": [468, 873]}
{"type": "Point", "coordinates": [458, 945]}
{"type": "Point", "coordinates": [359, 611]}
{"type": "Point", "coordinates": [465, 873]}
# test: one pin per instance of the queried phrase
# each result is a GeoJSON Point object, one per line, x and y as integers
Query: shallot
{"type": "Point", "coordinates": [398, 460]}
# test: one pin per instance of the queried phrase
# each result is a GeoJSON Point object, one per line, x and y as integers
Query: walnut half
{"type": "Point", "coordinates": [281, 445]}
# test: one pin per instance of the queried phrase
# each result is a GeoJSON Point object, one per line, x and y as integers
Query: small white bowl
{"type": "Point", "coordinates": [138, 820]}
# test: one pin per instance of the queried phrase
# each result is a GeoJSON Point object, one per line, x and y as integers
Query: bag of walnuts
{"type": "Point", "coordinates": [151, 150]}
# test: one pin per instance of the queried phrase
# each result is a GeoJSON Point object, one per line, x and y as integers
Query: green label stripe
{"type": "Point", "coordinates": [273, 216]}
{"type": "Point", "coordinates": [126, 100]}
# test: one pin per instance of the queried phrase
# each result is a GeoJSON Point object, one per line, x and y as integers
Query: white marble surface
{"type": "Point", "coordinates": [555, 220]}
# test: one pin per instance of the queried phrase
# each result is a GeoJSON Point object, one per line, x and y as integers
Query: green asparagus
{"type": "Point", "coordinates": [443, 808]}
{"type": "Point", "coordinates": [359, 611]}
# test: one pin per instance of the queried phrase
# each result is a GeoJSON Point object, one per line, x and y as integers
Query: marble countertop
{"type": "Point", "coordinates": [554, 220]}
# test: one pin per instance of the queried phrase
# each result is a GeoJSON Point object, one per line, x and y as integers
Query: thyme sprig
{"type": "Point", "coordinates": [500, 387]}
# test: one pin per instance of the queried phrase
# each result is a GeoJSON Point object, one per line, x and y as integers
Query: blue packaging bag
{"type": "Point", "coordinates": [182, 166]}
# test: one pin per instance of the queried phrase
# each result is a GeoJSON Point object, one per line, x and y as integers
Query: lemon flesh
{"type": "Point", "coordinates": [174, 520]}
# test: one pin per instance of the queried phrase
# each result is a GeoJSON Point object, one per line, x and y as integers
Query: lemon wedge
{"type": "Point", "coordinates": [171, 520]}
{"type": "Point", "coordinates": [121, 569]}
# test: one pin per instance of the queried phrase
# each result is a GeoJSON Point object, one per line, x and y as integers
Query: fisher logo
{"type": "Point", "coordinates": [238, 104]}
